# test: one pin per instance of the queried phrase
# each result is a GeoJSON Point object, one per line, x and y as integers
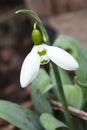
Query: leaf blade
{"type": "Point", "coordinates": [47, 119]}
{"type": "Point", "coordinates": [40, 102]}
{"type": "Point", "coordinates": [19, 116]}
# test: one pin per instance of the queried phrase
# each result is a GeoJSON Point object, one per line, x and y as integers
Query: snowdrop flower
{"type": "Point", "coordinates": [41, 54]}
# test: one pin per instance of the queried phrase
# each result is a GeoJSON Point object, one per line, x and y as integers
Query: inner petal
{"type": "Point", "coordinates": [44, 59]}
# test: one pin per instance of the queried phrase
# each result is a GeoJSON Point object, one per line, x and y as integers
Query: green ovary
{"type": "Point", "coordinates": [37, 37]}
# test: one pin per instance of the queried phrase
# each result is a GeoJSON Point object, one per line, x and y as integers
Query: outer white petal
{"type": "Point", "coordinates": [30, 68]}
{"type": "Point", "coordinates": [61, 58]}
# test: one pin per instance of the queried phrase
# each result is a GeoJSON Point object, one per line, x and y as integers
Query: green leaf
{"type": "Point", "coordinates": [75, 48]}
{"type": "Point", "coordinates": [19, 116]}
{"type": "Point", "coordinates": [45, 89]}
{"type": "Point", "coordinates": [64, 78]}
{"type": "Point", "coordinates": [39, 22]}
{"type": "Point", "coordinates": [44, 82]}
{"type": "Point", "coordinates": [68, 44]}
{"type": "Point", "coordinates": [50, 123]}
{"type": "Point", "coordinates": [74, 96]}
{"type": "Point", "coordinates": [38, 86]}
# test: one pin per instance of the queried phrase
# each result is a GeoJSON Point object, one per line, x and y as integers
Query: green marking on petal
{"type": "Point", "coordinates": [44, 62]}
{"type": "Point", "coordinates": [42, 53]}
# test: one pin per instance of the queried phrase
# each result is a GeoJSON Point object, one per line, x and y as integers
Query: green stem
{"type": "Point", "coordinates": [68, 118]}
{"type": "Point", "coordinates": [39, 22]}
{"type": "Point", "coordinates": [35, 24]}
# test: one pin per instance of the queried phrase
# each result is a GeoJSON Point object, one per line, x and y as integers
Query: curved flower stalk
{"type": "Point", "coordinates": [41, 54]}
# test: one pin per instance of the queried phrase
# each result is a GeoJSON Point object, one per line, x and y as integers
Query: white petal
{"type": "Point", "coordinates": [61, 58]}
{"type": "Point", "coordinates": [29, 68]}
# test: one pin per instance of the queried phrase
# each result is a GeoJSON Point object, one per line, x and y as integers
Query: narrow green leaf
{"type": "Point", "coordinates": [64, 78]}
{"type": "Point", "coordinates": [19, 116]}
{"type": "Point", "coordinates": [45, 89]}
{"type": "Point", "coordinates": [39, 22]}
{"type": "Point", "coordinates": [42, 79]}
{"type": "Point", "coordinates": [74, 96]}
{"type": "Point", "coordinates": [38, 86]}
{"type": "Point", "coordinates": [50, 123]}
{"type": "Point", "coordinates": [44, 82]}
